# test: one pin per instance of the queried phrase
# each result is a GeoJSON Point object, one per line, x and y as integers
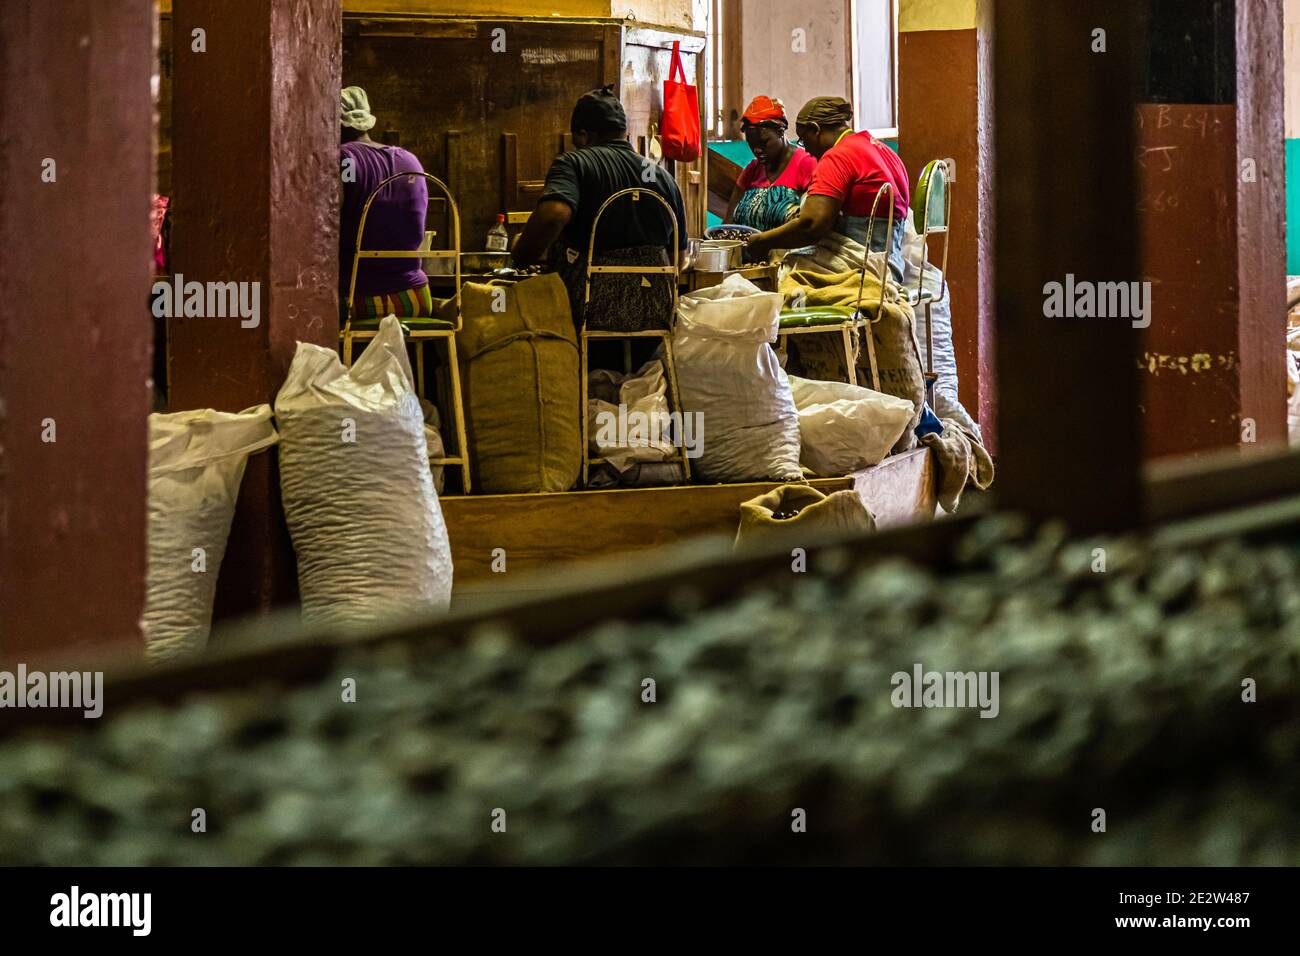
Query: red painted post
{"type": "Point", "coordinates": [1212, 203]}
{"type": "Point", "coordinates": [256, 174]}
{"type": "Point", "coordinates": [76, 176]}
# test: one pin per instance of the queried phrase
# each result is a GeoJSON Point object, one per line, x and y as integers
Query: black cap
{"type": "Point", "coordinates": [599, 112]}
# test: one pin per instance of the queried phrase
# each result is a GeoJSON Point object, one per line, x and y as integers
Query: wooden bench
{"type": "Point", "coordinates": [538, 532]}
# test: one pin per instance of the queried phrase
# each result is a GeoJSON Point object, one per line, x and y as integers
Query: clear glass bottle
{"type": "Point", "coordinates": [498, 240]}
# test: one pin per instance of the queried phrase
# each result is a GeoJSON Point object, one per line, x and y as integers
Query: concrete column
{"type": "Point", "coordinates": [945, 112]}
{"type": "Point", "coordinates": [256, 178]}
{"type": "Point", "coordinates": [76, 176]}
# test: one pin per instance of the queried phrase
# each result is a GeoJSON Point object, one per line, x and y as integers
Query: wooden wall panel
{"type": "Point", "coordinates": [448, 79]}
{"type": "Point", "coordinates": [439, 90]}
{"type": "Point", "coordinates": [427, 79]}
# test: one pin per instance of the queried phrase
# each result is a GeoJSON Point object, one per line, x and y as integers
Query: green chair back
{"type": "Point", "coordinates": [930, 204]}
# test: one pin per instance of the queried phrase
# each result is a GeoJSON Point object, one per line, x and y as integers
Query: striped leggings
{"type": "Point", "coordinates": [410, 303]}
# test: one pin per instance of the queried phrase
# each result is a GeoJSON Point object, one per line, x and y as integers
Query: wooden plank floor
{"type": "Point", "coordinates": [537, 532]}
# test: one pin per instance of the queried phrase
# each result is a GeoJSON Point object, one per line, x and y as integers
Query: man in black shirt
{"type": "Point", "coordinates": [630, 233]}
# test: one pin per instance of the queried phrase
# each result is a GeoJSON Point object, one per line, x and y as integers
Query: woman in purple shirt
{"type": "Point", "coordinates": [396, 219]}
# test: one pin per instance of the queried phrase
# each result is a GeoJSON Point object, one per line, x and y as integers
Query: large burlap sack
{"type": "Point", "coordinates": [844, 428]}
{"type": "Point", "coordinates": [898, 359]}
{"type": "Point", "coordinates": [522, 387]}
{"type": "Point", "coordinates": [357, 489]}
{"type": "Point", "coordinates": [196, 464]}
{"type": "Point", "coordinates": [728, 374]}
{"type": "Point", "coordinates": [813, 514]}
{"type": "Point", "coordinates": [962, 461]}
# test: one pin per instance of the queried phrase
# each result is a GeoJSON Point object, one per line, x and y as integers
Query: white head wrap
{"type": "Point", "coordinates": [354, 109]}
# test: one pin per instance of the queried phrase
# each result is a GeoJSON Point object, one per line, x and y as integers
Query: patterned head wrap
{"type": "Point", "coordinates": [826, 111]}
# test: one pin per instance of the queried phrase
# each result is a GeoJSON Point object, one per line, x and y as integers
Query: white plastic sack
{"type": "Point", "coordinates": [643, 436]}
{"type": "Point", "coordinates": [433, 438]}
{"type": "Point", "coordinates": [728, 374]}
{"type": "Point", "coordinates": [944, 400]}
{"type": "Point", "coordinates": [196, 464]}
{"type": "Point", "coordinates": [358, 493]}
{"type": "Point", "coordinates": [844, 428]}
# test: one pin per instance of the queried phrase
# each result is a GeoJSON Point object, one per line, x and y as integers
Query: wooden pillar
{"type": "Point", "coordinates": [76, 176]}
{"type": "Point", "coordinates": [1065, 194]}
{"type": "Point", "coordinates": [1212, 199]}
{"type": "Point", "coordinates": [1261, 216]}
{"type": "Point", "coordinates": [945, 112]}
{"type": "Point", "coordinates": [256, 174]}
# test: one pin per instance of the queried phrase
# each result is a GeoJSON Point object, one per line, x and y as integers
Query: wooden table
{"type": "Point", "coordinates": [763, 276]}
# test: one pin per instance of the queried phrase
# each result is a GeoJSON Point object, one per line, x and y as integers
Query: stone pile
{"type": "Point", "coordinates": [773, 734]}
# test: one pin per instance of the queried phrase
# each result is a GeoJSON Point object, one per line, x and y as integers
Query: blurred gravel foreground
{"type": "Point", "coordinates": [1120, 691]}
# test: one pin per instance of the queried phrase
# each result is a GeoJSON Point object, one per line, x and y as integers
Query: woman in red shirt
{"type": "Point", "coordinates": [851, 169]}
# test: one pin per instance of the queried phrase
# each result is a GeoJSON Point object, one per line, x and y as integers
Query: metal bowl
{"type": "Point", "coordinates": [719, 255]}
{"type": "Point", "coordinates": [731, 230]}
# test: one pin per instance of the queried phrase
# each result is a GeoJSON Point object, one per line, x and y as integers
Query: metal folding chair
{"type": "Point", "coordinates": [418, 329]}
{"type": "Point", "coordinates": [664, 335]}
{"type": "Point", "coordinates": [931, 216]}
{"type": "Point", "coordinates": [848, 320]}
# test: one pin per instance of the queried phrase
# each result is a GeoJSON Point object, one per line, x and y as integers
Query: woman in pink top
{"type": "Point", "coordinates": [770, 189]}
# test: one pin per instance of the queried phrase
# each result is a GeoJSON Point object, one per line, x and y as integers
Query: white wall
{"type": "Point", "coordinates": [773, 68]}
{"type": "Point", "coordinates": [680, 14]}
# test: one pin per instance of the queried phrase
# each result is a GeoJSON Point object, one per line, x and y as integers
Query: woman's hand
{"type": "Point", "coordinates": [815, 220]}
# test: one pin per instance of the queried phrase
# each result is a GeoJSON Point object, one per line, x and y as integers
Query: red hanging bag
{"type": "Point", "coordinates": [680, 128]}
